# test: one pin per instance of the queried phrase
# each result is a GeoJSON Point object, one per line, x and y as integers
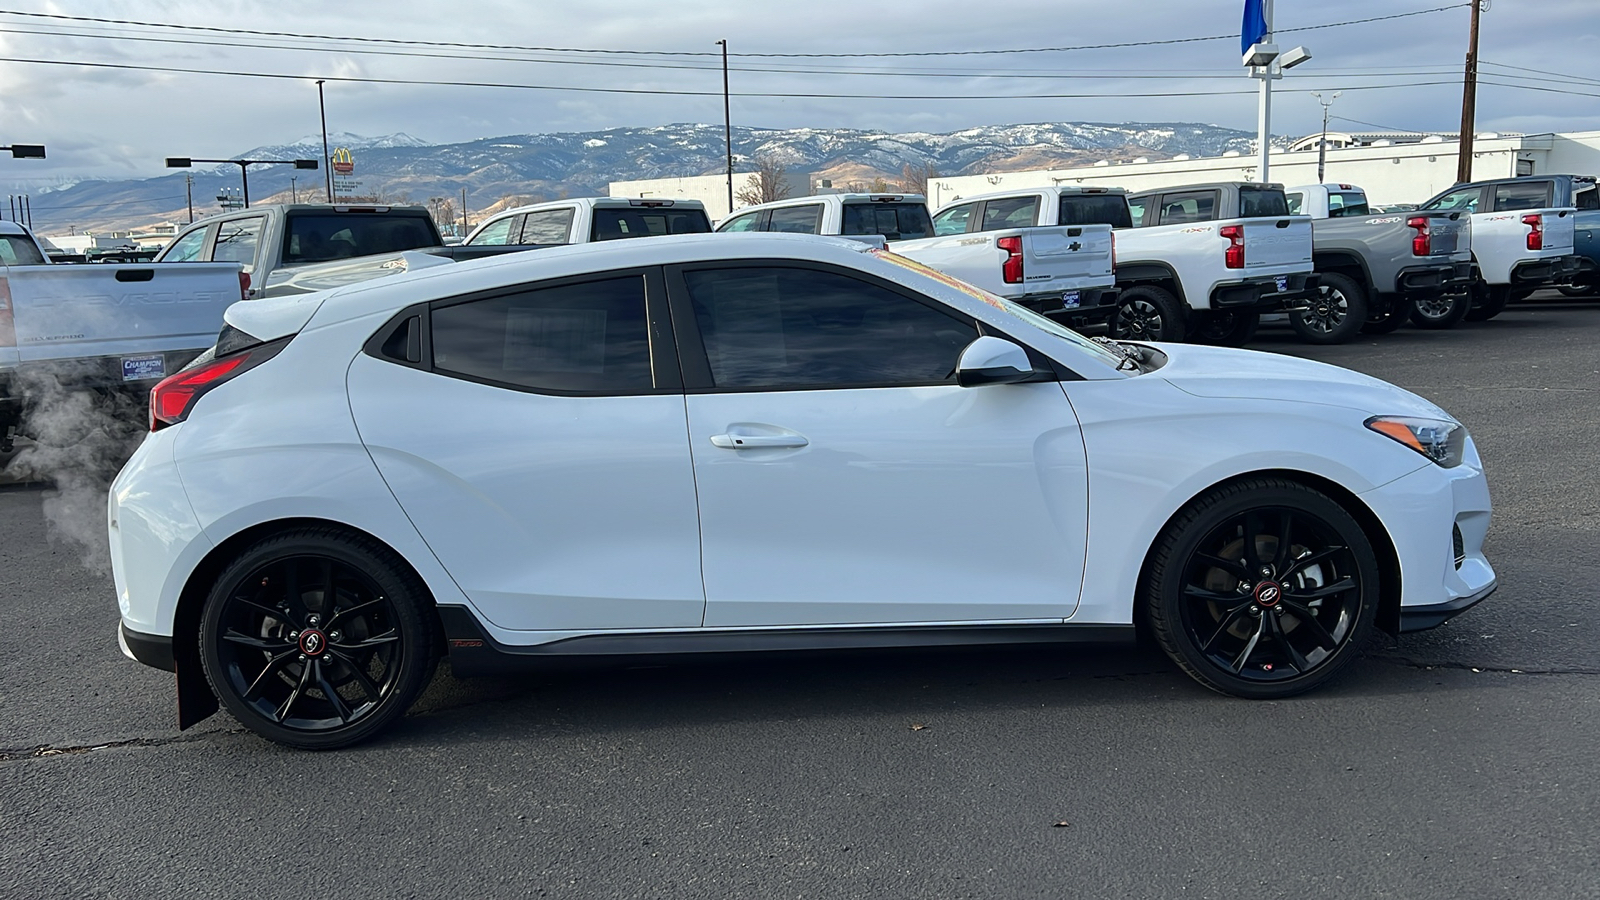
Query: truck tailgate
{"type": "Point", "coordinates": [1055, 259]}
{"type": "Point", "coordinates": [1500, 239]}
{"type": "Point", "coordinates": [1276, 245]}
{"type": "Point", "coordinates": [64, 312]}
{"type": "Point", "coordinates": [1448, 231]}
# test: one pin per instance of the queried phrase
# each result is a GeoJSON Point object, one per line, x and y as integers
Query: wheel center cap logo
{"type": "Point", "coordinates": [312, 642]}
{"type": "Point", "coordinates": [1268, 593]}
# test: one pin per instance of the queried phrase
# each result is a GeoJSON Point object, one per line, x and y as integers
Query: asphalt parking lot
{"type": "Point", "coordinates": [1458, 763]}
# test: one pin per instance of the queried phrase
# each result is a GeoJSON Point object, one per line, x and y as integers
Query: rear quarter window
{"type": "Point", "coordinates": [1257, 202]}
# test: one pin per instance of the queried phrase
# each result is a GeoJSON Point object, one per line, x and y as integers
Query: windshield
{"type": "Point", "coordinates": [1048, 326]}
{"type": "Point", "coordinates": [615, 223]}
{"type": "Point", "coordinates": [1257, 202]}
{"type": "Point", "coordinates": [895, 221]}
{"type": "Point", "coordinates": [1095, 209]}
{"type": "Point", "coordinates": [323, 236]}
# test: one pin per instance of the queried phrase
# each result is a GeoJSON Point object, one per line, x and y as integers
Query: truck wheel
{"type": "Point", "coordinates": [1442, 311]}
{"type": "Point", "coordinates": [1149, 313]}
{"type": "Point", "coordinates": [1233, 328]}
{"type": "Point", "coordinates": [1577, 290]}
{"type": "Point", "coordinates": [1490, 301]}
{"type": "Point", "coordinates": [1397, 314]}
{"type": "Point", "coordinates": [1335, 314]}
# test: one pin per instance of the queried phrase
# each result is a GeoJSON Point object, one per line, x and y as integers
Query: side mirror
{"type": "Point", "coordinates": [992, 360]}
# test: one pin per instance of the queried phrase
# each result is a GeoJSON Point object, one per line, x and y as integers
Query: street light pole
{"type": "Point", "coordinates": [184, 162]}
{"type": "Point", "coordinates": [1266, 63]}
{"type": "Point", "coordinates": [1322, 144]}
{"type": "Point", "coordinates": [327, 167]}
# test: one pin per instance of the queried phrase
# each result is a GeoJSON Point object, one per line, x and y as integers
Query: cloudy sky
{"type": "Point", "coordinates": [104, 108]}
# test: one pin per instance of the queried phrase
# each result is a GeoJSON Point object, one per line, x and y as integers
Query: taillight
{"type": "Point", "coordinates": [1234, 258]}
{"type": "Point", "coordinates": [1011, 270]}
{"type": "Point", "coordinates": [1113, 251]}
{"type": "Point", "coordinates": [1535, 223]}
{"type": "Point", "coordinates": [174, 397]}
{"type": "Point", "coordinates": [1422, 241]}
{"type": "Point", "coordinates": [244, 285]}
{"type": "Point", "coordinates": [8, 326]}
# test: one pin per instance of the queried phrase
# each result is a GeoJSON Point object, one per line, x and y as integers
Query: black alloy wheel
{"type": "Point", "coordinates": [1233, 328]}
{"type": "Point", "coordinates": [1263, 589]}
{"type": "Point", "coordinates": [1149, 313]}
{"type": "Point", "coordinates": [1441, 310]}
{"type": "Point", "coordinates": [1334, 314]}
{"type": "Point", "coordinates": [317, 639]}
{"type": "Point", "coordinates": [1397, 312]}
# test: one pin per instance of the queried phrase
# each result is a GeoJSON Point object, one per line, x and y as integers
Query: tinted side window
{"type": "Point", "coordinates": [1465, 199]}
{"type": "Point", "coordinates": [553, 226]}
{"type": "Point", "coordinates": [186, 248]}
{"type": "Point", "coordinates": [1136, 210]}
{"type": "Point", "coordinates": [1522, 195]}
{"type": "Point", "coordinates": [495, 233]}
{"type": "Point", "coordinates": [1094, 209]}
{"type": "Point", "coordinates": [1010, 212]}
{"type": "Point", "coordinates": [576, 337]}
{"type": "Point", "coordinates": [17, 250]}
{"type": "Point", "coordinates": [1352, 203]}
{"type": "Point", "coordinates": [237, 241]}
{"type": "Point", "coordinates": [805, 219]}
{"type": "Point", "coordinates": [953, 220]}
{"type": "Point", "coordinates": [746, 222]}
{"type": "Point", "coordinates": [1195, 206]}
{"type": "Point", "coordinates": [790, 327]}
{"type": "Point", "coordinates": [894, 221]}
{"type": "Point", "coordinates": [1587, 198]}
{"type": "Point", "coordinates": [1296, 203]}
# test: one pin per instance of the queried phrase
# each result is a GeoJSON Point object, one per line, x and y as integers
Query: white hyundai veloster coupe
{"type": "Point", "coordinates": [734, 443]}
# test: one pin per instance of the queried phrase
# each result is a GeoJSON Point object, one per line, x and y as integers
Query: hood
{"type": "Point", "coordinates": [274, 317]}
{"type": "Point", "coordinates": [1252, 375]}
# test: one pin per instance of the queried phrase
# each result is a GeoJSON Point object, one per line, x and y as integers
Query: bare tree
{"type": "Point", "coordinates": [914, 179]}
{"type": "Point", "coordinates": [766, 184]}
{"type": "Point", "coordinates": [879, 186]}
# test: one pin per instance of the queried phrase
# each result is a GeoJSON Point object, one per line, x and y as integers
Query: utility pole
{"type": "Point", "coordinates": [188, 194]}
{"type": "Point", "coordinates": [463, 212]}
{"type": "Point", "coordinates": [727, 121]}
{"type": "Point", "coordinates": [1469, 100]}
{"type": "Point", "coordinates": [1322, 145]}
{"type": "Point", "coordinates": [327, 164]}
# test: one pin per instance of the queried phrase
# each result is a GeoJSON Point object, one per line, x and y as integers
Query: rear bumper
{"type": "Point", "coordinates": [1264, 291]}
{"type": "Point", "coordinates": [1442, 278]}
{"type": "Point", "coordinates": [1088, 304]}
{"type": "Point", "coordinates": [153, 650]}
{"type": "Point", "coordinates": [1536, 272]}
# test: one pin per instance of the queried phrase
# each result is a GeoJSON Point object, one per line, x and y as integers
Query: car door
{"type": "Point", "coordinates": [535, 435]}
{"type": "Point", "coordinates": [844, 478]}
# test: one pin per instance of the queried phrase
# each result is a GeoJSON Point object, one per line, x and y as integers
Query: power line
{"type": "Point", "coordinates": [1564, 75]}
{"type": "Point", "coordinates": [692, 53]}
{"type": "Point", "coordinates": [688, 93]}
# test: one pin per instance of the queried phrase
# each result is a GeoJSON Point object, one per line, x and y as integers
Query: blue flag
{"type": "Point", "coordinates": [1255, 24]}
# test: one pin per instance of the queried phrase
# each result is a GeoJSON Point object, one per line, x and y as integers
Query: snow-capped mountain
{"type": "Point", "coordinates": [527, 167]}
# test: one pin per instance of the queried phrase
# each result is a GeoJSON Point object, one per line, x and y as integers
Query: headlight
{"type": "Point", "coordinates": [1439, 440]}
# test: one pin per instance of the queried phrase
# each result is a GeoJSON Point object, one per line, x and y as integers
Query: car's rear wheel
{"type": "Point", "coordinates": [1262, 589]}
{"type": "Point", "coordinates": [1490, 301]}
{"type": "Point", "coordinates": [1397, 313]}
{"type": "Point", "coordinates": [1441, 311]}
{"type": "Point", "coordinates": [1335, 314]}
{"type": "Point", "coordinates": [317, 639]}
{"type": "Point", "coordinates": [1149, 313]}
{"type": "Point", "coordinates": [1233, 328]}
{"type": "Point", "coordinates": [1578, 290]}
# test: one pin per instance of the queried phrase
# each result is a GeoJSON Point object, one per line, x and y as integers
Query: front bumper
{"type": "Point", "coordinates": [1267, 292]}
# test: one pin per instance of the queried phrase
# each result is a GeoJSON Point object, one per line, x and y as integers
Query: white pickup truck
{"type": "Point", "coordinates": [99, 328]}
{"type": "Point", "coordinates": [1520, 242]}
{"type": "Point", "coordinates": [585, 219]}
{"type": "Point", "coordinates": [1205, 261]}
{"type": "Point", "coordinates": [1063, 272]}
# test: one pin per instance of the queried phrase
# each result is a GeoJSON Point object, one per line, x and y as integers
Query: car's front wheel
{"type": "Point", "coordinates": [1262, 589]}
{"type": "Point", "coordinates": [317, 639]}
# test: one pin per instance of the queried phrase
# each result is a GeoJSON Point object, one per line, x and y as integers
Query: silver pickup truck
{"type": "Point", "coordinates": [1381, 269]}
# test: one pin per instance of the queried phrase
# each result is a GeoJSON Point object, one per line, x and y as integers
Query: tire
{"type": "Point", "coordinates": [1398, 314]}
{"type": "Point", "coordinates": [1149, 313]}
{"type": "Point", "coordinates": [1336, 314]}
{"type": "Point", "coordinates": [1233, 328]}
{"type": "Point", "coordinates": [1237, 614]}
{"type": "Point", "coordinates": [307, 670]}
{"type": "Point", "coordinates": [1443, 311]}
{"type": "Point", "coordinates": [1490, 301]}
{"type": "Point", "coordinates": [1577, 290]}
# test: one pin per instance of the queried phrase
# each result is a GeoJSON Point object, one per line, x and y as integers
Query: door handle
{"type": "Point", "coordinates": [757, 441]}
